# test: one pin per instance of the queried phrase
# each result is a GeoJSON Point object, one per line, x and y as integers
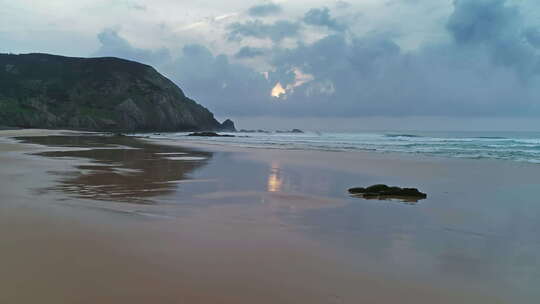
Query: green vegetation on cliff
{"type": "Point", "coordinates": [105, 94]}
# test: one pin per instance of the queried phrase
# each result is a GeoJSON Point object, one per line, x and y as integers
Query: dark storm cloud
{"type": "Point", "coordinates": [264, 10]}
{"type": "Point", "coordinates": [224, 87]}
{"type": "Point", "coordinates": [487, 69]}
{"type": "Point", "coordinates": [249, 52]}
{"type": "Point", "coordinates": [497, 26]}
{"type": "Point", "coordinates": [321, 17]}
{"type": "Point", "coordinates": [372, 76]}
{"type": "Point", "coordinates": [112, 44]}
{"type": "Point", "coordinates": [212, 80]}
{"type": "Point", "coordinates": [533, 37]}
{"type": "Point", "coordinates": [139, 7]}
{"type": "Point", "coordinates": [342, 4]}
{"type": "Point", "coordinates": [257, 29]}
{"type": "Point", "coordinates": [480, 21]}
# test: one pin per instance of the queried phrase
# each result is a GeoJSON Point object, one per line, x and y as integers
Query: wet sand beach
{"type": "Point", "coordinates": [95, 219]}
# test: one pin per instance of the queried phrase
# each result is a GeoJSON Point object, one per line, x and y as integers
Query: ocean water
{"type": "Point", "coordinates": [511, 146]}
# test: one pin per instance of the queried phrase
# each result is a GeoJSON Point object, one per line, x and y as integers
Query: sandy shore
{"type": "Point", "coordinates": [86, 221]}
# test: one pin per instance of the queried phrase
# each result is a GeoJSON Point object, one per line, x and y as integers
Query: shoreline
{"type": "Point", "coordinates": [375, 162]}
{"type": "Point", "coordinates": [367, 154]}
{"type": "Point", "coordinates": [204, 241]}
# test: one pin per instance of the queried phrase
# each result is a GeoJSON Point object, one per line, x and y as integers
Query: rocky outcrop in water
{"type": "Point", "coordinates": [291, 131]}
{"type": "Point", "coordinates": [254, 131]}
{"type": "Point", "coordinates": [101, 94]}
{"type": "Point", "coordinates": [384, 191]}
{"type": "Point", "coordinates": [228, 126]}
{"type": "Point", "coordinates": [209, 134]}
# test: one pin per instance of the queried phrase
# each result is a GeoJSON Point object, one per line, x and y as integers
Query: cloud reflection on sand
{"type": "Point", "coordinates": [119, 169]}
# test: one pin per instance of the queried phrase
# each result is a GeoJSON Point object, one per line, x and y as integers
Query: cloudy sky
{"type": "Point", "coordinates": [355, 64]}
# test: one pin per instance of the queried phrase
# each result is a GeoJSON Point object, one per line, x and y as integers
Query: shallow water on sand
{"type": "Point", "coordinates": [119, 169]}
{"type": "Point", "coordinates": [509, 146]}
{"type": "Point", "coordinates": [478, 230]}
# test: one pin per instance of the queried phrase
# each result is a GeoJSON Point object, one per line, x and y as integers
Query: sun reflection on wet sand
{"type": "Point", "coordinates": [275, 181]}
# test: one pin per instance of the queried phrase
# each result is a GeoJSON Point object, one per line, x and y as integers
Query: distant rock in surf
{"type": "Point", "coordinates": [228, 126]}
{"type": "Point", "coordinates": [387, 192]}
{"type": "Point", "coordinates": [209, 134]}
{"type": "Point", "coordinates": [402, 135]}
{"type": "Point", "coordinates": [291, 131]}
{"type": "Point", "coordinates": [253, 131]}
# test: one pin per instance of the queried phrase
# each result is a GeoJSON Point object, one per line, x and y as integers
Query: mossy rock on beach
{"type": "Point", "coordinates": [388, 191]}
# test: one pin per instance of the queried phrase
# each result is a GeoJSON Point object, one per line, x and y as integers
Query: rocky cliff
{"type": "Point", "coordinates": [102, 94]}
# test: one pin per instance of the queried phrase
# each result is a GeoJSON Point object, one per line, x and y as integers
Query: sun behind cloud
{"type": "Point", "coordinates": [278, 90]}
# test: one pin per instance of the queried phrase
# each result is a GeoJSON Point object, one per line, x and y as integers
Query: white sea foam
{"type": "Point", "coordinates": [515, 146]}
